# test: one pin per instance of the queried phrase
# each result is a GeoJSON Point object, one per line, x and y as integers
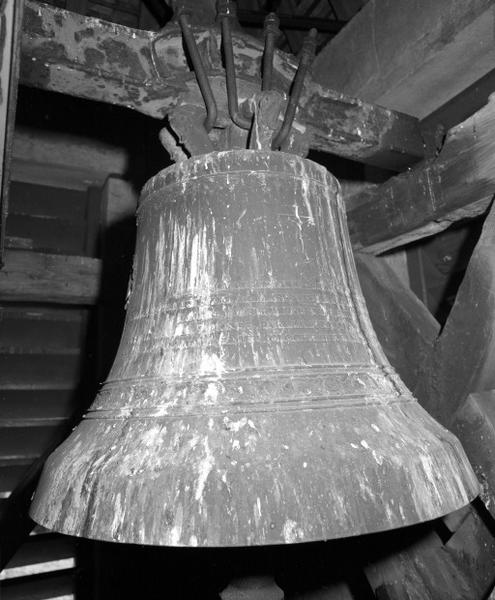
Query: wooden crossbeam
{"type": "Point", "coordinates": [474, 425]}
{"type": "Point", "coordinates": [148, 72]}
{"type": "Point", "coordinates": [458, 184]}
{"type": "Point", "coordinates": [461, 361]}
{"type": "Point", "coordinates": [11, 14]}
{"type": "Point", "coordinates": [36, 277]}
{"type": "Point", "coordinates": [410, 56]}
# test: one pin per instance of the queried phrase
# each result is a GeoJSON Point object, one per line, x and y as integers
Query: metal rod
{"type": "Point", "coordinates": [307, 55]}
{"type": "Point", "coordinates": [199, 71]}
{"type": "Point", "coordinates": [271, 32]}
{"type": "Point", "coordinates": [251, 18]}
{"type": "Point", "coordinates": [226, 11]}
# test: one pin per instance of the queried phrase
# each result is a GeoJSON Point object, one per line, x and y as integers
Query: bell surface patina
{"type": "Point", "coordinates": [249, 402]}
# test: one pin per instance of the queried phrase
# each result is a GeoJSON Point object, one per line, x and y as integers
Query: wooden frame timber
{"type": "Point", "coordinates": [458, 184]}
{"type": "Point", "coordinates": [36, 277]}
{"type": "Point", "coordinates": [11, 18]}
{"type": "Point", "coordinates": [148, 72]}
{"type": "Point", "coordinates": [410, 56]}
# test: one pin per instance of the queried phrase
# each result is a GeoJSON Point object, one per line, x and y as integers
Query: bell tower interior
{"type": "Point", "coordinates": [246, 300]}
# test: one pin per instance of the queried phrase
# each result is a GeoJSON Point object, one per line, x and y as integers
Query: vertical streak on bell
{"type": "Point", "coordinates": [249, 402]}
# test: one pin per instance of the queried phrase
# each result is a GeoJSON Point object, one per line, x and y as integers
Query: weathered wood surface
{"type": "Point", "coordinates": [417, 565]}
{"type": "Point", "coordinates": [66, 161]}
{"type": "Point", "coordinates": [405, 328]}
{"type": "Point", "coordinates": [463, 357]}
{"type": "Point", "coordinates": [32, 276]}
{"type": "Point", "coordinates": [148, 72]}
{"type": "Point", "coordinates": [459, 183]}
{"type": "Point", "coordinates": [10, 38]}
{"type": "Point", "coordinates": [410, 56]}
{"type": "Point", "coordinates": [474, 425]}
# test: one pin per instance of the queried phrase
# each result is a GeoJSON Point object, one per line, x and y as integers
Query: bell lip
{"type": "Point", "coordinates": [351, 536]}
{"type": "Point", "coordinates": [455, 486]}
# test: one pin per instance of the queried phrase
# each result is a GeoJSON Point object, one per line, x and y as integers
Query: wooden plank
{"type": "Point", "coordinates": [32, 331]}
{"type": "Point", "coordinates": [25, 443]}
{"type": "Point", "coordinates": [52, 236]}
{"type": "Point", "coordinates": [458, 184]}
{"type": "Point", "coordinates": [56, 587]}
{"type": "Point", "coordinates": [10, 476]}
{"type": "Point", "coordinates": [37, 556]}
{"type": "Point", "coordinates": [40, 371]}
{"type": "Point", "coordinates": [37, 407]}
{"type": "Point", "coordinates": [410, 56]}
{"type": "Point", "coordinates": [472, 548]}
{"type": "Point", "coordinates": [405, 328]}
{"type": "Point", "coordinates": [416, 565]}
{"type": "Point", "coordinates": [463, 356]}
{"type": "Point", "coordinates": [11, 14]}
{"type": "Point", "coordinates": [462, 106]}
{"type": "Point", "coordinates": [148, 72]}
{"type": "Point", "coordinates": [474, 425]}
{"type": "Point", "coordinates": [64, 161]}
{"type": "Point", "coordinates": [37, 200]}
{"type": "Point", "coordinates": [31, 276]}
{"type": "Point", "coordinates": [15, 523]}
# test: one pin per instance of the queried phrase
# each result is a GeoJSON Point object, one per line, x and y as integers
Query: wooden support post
{"type": "Point", "coordinates": [404, 326]}
{"type": "Point", "coordinates": [458, 184]}
{"type": "Point", "coordinates": [10, 37]}
{"type": "Point", "coordinates": [417, 565]}
{"type": "Point", "coordinates": [463, 357]}
{"type": "Point", "coordinates": [474, 425]}
{"type": "Point", "coordinates": [65, 161]}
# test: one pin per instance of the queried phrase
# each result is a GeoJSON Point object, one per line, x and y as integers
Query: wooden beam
{"type": "Point", "coordinates": [474, 425]}
{"type": "Point", "coordinates": [148, 72]}
{"type": "Point", "coordinates": [416, 563]}
{"type": "Point", "coordinates": [403, 325]}
{"type": "Point", "coordinates": [410, 56]}
{"type": "Point", "coordinates": [463, 356]}
{"type": "Point", "coordinates": [462, 106]}
{"type": "Point", "coordinates": [10, 39]}
{"type": "Point", "coordinates": [458, 184]}
{"type": "Point", "coordinates": [59, 160]}
{"type": "Point", "coordinates": [35, 277]}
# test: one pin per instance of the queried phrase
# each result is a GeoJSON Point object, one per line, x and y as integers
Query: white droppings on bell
{"type": "Point", "coordinates": [211, 364]}
{"type": "Point", "coordinates": [306, 199]}
{"type": "Point", "coordinates": [291, 532]}
{"type": "Point", "coordinates": [205, 467]}
{"type": "Point", "coordinates": [235, 426]}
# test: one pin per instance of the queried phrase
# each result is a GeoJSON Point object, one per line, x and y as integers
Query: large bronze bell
{"type": "Point", "coordinates": [249, 402]}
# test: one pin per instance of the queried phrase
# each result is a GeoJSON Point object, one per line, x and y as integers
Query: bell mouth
{"type": "Point", "coordinates": [254, 479]}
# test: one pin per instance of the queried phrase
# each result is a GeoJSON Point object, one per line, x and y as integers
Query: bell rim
{"type": "Point", "coordinates": [455, 474]}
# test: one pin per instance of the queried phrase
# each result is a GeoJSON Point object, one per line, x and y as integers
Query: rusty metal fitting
{"type": "Point", "coordinates": [308, 49]}
{"type": "Point", "coordinates": [271, 30]}
{"type": "Point", "coordinates": [305, 59]}
{"type": "Point", "coordinates": [226, 14]}
{"type": "Point", "coordinates": [226, 8]}
{"type": "Point", "coordinates": [181, 7]}
{"type": "Point", "coordinates": [271, 24]}
{"type": "Point", "coordinates": [199, 70]}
